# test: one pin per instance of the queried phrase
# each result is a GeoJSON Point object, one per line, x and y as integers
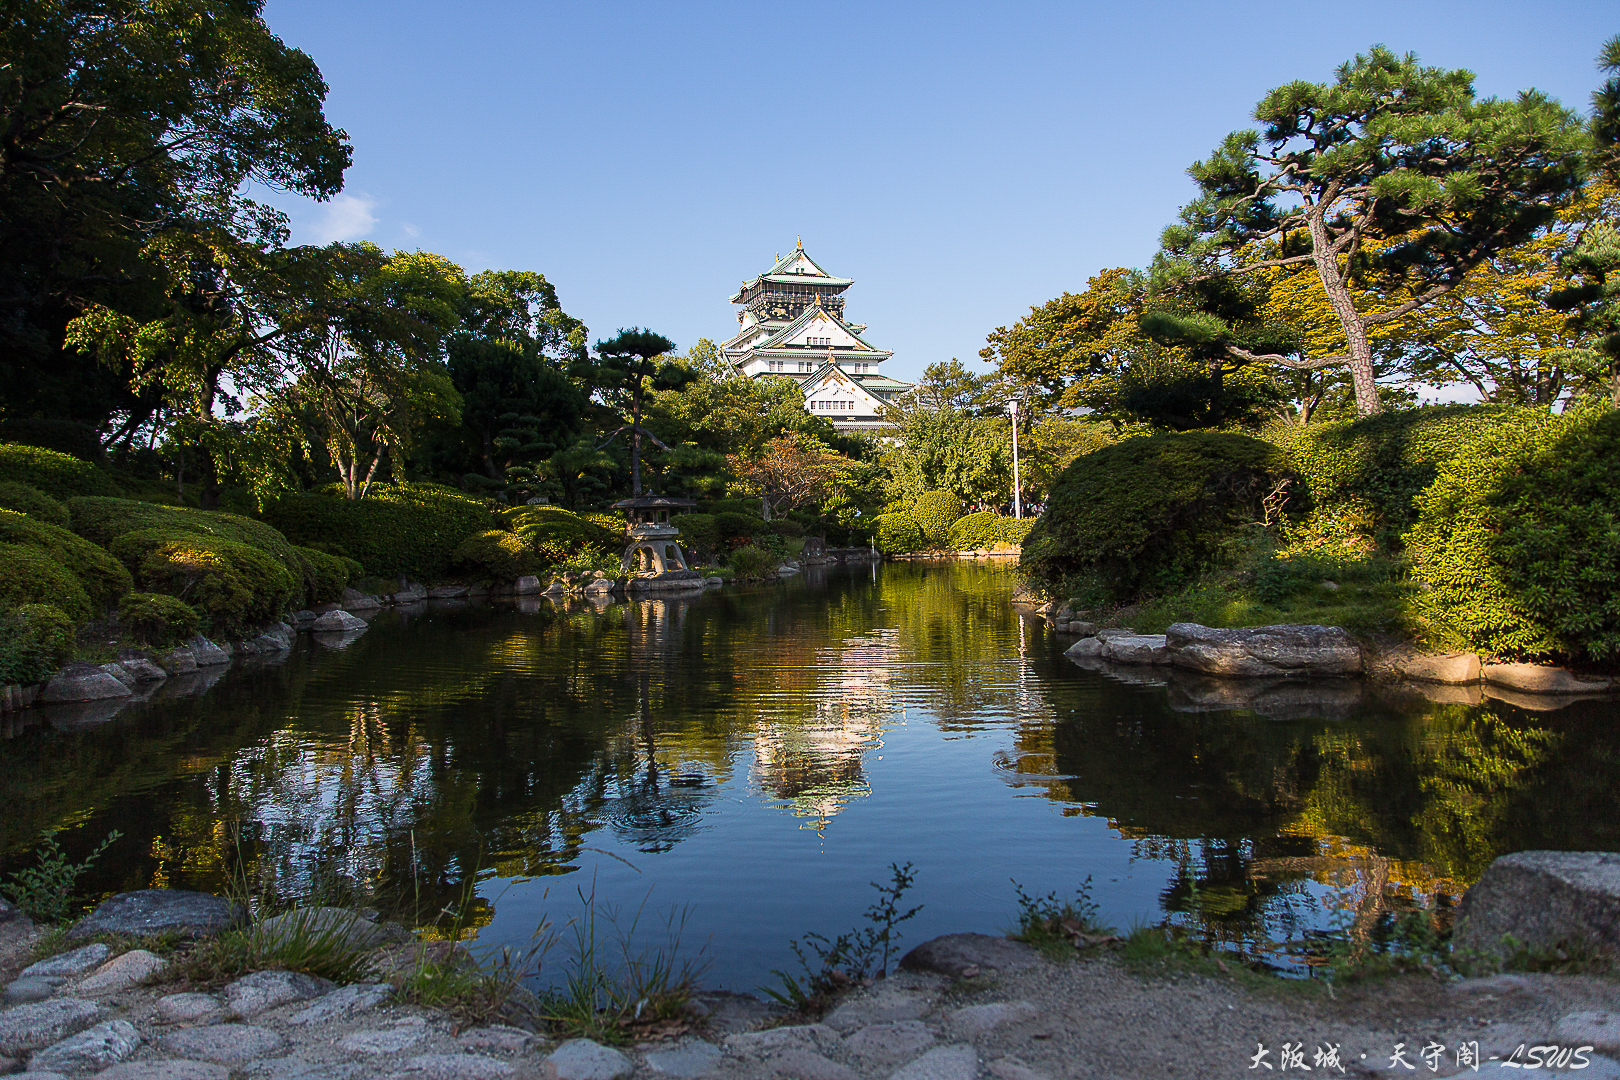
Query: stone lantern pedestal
{"type": "Point", "coordinates": [653, 559]}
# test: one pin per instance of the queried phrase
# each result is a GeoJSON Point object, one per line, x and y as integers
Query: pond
{"type": "Point", "coordinates": [750, 759]}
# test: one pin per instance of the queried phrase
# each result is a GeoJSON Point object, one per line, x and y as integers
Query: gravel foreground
{"type": "Point", "coordinates": [1090, 1017]}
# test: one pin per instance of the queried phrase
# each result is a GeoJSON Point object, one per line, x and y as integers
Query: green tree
{"type": "Point", "coordinates": [627, 368]}
{"type": "Point", "coordinates": [1389, 151]}
{"type": "Point", "coordinates": [946, 450]}
{"type": "Point", "coordinates": [122, 122]}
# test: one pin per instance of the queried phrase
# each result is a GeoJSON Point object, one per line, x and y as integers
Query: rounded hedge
{"type": "Point", "coordinates": [103, 521]}
{"type": "Point", "coordinates": [237, 586]}
{"type": "Point", "coordinates": [496, 555]}
{"type": "Point", "coordinates": [552, 525]}
{"type": "Point", "coordinates": [27, 499]}
{"type": "Point", "coordinates": [64, 436]}
{"type": "Point", "coordinates": [101, 576]}
{"type": "Point", "coordinates": [734, 526]}
{"type": "Point", "coordinates": [35, 640]}
{"type": "Point", "coordinates": [324, 575]}
{"type": "Point", "coordinates": [754, 563]}
{"type": "Point", "coordinates": [158, 620]}
{"type": "Point", "coordinates": [700, 534]}
{"type": "Point", "coordinates": [897, 533]}
{"type": "Point", "coordinates": [1518, 539]}
{"type": "Point", "coordinates": [29, 575]}
{"type": "Point", "coordinates": [1147, 514]}
{"type": "Point", "coordinates": [935, 512]}
{"type": "Point", "coordinates": [974, 532]}
{"type": "Point", "coordinates": [397, 529]}
{"type": "Point", "coordinates": [61, 476]}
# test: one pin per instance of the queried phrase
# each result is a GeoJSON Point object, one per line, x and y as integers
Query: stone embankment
{"type": "Point", "coordinates": [1318, 652]}
{"type": "Point", "coordinates": [962, 1007]}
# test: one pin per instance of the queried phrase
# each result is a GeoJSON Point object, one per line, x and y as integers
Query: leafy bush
{"type": "Point", "coordinates": [27, 499]}
{"type": "Point", "coordinates": [101, 576]}
{"type": "Point", "coordinates": [543, 525]}
{"type": "Point", "coordinates": [35, 640]}
{"type": "Point", "coordinates": [45, 891]}
{"type": "Point", "coordinates": [754, 563]}
{"type": "Point", "coordinates": [1014, 530]}
{"type": "Point", "coordinates": [29, 575]}
{"type": "Point", "coordinates": [700, 534]}
{"type": "Point", "coordinates": [103, 521]}
{"type": "Point", "coordinates": [897, 533]}
{"type": "Point", "coordinates": [1382, 463]}
{"type": "Point", "coordinates": [235, 585]}
{"type": "Point", "coordinates": [734, 526]}
{"type": "Point", "coordinates": [158, 620]}
{"type": "Point", "coordinates": [934, 513]}
{"type": "Point", "coordinates": [1150, 513]}
{"type": "Point", "coordinates": [976, 532]}
{"type": "Point", "coordinates": [63, 436]}
{"type": "Point", "coordinates": [397, 529]}
{"type": "Point", "coordinates": [787, 528]}
{"type": "Point", "coordinates": [1519, 539]}
{"type": "Point", "coordinates": [324, 576]}
{"type": "Point", "coordinates": [58, 475]}
{"type": "Point", "coordinates": [497, 555]}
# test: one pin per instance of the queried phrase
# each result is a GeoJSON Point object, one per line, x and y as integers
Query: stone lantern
{"type": "Point", "coordinates": [652, 554]}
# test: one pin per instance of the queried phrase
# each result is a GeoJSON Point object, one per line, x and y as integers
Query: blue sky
{"type": "Point", "coordinates": [960, 162]}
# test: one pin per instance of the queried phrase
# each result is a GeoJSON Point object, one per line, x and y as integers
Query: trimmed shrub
{"type": "Point", "coordinates": [554, 526]}
{"type": "Point", "coordinates": [700, 534]}
{"type": "Point", "coordinates": [157, 620]}
{"type": "Point", "coordinates": [397, 529]}
{"type": "Point", "coordinates": [35, 640]}
{"type": "Point", "coordinates": [1383, 463]}
{"type": "Point", "coordinates": [1014, 530]}
{"type": "Point", "coordinates": [897, 533]}
{"type": "Point", "coordinates": [754, 563]}
{"type": "Point", "coordinates": [235, 585]}
{"type": "Point", "coordinates": [733, 526]}
{"type": "Point", "coordinates": [497, 555]}
{"type": "Point", "coordinates": [1148, 514]}
{"type": "Point", "coordinates": [1519, 539]}
{"type": "Point", "coordinates": [28, 575]}
{"type": "Point", "coordinates": [976, 532]}
{"type": "Point", "coordinates": [64, 436]}
{"type": "Point", "coordinates": [324, 575]}
{"type": "Point", "coordinates": [103, 521]}
{"type": "Point", "coordinates": [59, 475]}
{"type": "Point", "coordinates": [935, 512]}
{"type": "Point", "coordinates": [27, 499]}
{"type": "Point", "coordinates": [102, 577]}
{"type": "Point", "coordinates": [786, 528]}
{"type": "Point", "coordinates": [613, 522]}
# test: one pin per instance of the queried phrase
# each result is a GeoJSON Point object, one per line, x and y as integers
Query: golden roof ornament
{"type": "Point", "coordinates": [800, 241]}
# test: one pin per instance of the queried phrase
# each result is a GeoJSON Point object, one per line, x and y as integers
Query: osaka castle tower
{"type": "Point", "coordinates": [793, 325]}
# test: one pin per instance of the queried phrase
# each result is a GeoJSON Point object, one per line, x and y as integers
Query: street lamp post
{"type": "Point", "coordinates": [1018, 502]}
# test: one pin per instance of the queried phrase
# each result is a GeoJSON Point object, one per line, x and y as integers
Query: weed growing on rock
{"type": "Point", "coordinates": [45, 891]}
{"type": "Point", "coordinates": [848, 958]}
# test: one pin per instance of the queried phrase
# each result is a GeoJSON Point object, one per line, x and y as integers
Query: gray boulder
{"type": "Point", "coordinates": [337, 925]}
{"type": "Point", "coordinates": [266, 990]}
{"type": "Point", "coordinates": [955, 954]}
{"type": "Point", "coordinates": [82, 682]}
{"type": "Point", "coordinates": [355, 600]}
{"type": "Point", "coordinates": [143, 669]}
{"type": "Point", "coordinates": [1136, 649]}
{"type": "Point", "coordinates": [206, 653]}
{"type": "Point", "coordinates": [1543, 900]}
{"type": "Point", "coordinates": [157, 911]}
{"type": "Point", "coordinates": [29, 1027]}
{"type": "Point", "coordinates": [90, 1050]}
{"type": "Point", "coordinates": [178, 661]}
{"type": "Point", "coordinates": [1539, 679]}
{"type": "Point", "coordinates": [1265, 650]}
{"type": "Point", "coordinates": [447, 592]}
{"type": "Point", "coordinates": [338, 621]}
{"type": "Point", "coordinates": [583, 1059]}
{"type": "Point", "coordinates": [528, 585]}
{"type": "Point", "coordinates": [1086, 646]}
{"type": "Point", "coordinates": [119, 672]}
{"type": "Point", "coordinates": [1451, 668]}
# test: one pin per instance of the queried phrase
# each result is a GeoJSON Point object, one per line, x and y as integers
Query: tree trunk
{"type": "Point", "coordinates": [1355, 331]}
{"type": "Point", "coordinates": [635, 441]}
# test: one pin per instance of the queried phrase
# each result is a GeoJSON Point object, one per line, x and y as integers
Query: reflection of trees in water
{"type": "Point", "coordinates": [1387, 808]}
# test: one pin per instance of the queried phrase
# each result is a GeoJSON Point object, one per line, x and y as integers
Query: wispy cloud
{"type": "Point", "coordinates": [346, 217]}
{"type": "Point", "coordinates": [411, 230]}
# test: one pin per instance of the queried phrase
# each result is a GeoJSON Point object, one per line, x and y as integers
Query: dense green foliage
{"type": "Point", "coordinates": [103, 521]}
{"type": "Point", "coordinates": [935, 512]}
{"type": "Point", "coordinates": [397, 529]}
{"type": "Point", "coordinates": [1518, 538]}
{"type": "Point", "coordinates": [236, 585]}
{"type": "Point", "coordinates": [324, 576]}
{"type": "Point", "coordinates": [29, 575]}
{"type": "Point", "coordinates": [496, 555]}
{"type": "Point", "coordinates": [34, 641]}
{"type": "Point", "coordinates": [983, 531]}
{"type": "Point", "coordinates": [1149, 513]}
{"type": "Point", "coordinates": [700, 534]}
{"type": "Point", "coordinates": [100, 575]}
{"type": "Point", "coordinates": [56, 474]}
{"type": "Point", "coordinates": [897, 534]}
{"type": "Point", "coordinates": [64, 436]}
{"type": "Point", "coordinates": [754, 563]}
{"type": "Point", "coordinates": [158, 620]}
{"type": "Point", "coordinates": [27, 499]}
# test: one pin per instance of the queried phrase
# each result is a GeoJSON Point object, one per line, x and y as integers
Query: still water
{"type": "Point", "coordinates": [755, 756]}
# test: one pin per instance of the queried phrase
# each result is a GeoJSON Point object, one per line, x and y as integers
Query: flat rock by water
{"type": "Point", "coordinates": [1264, 651]}
{"type": "Point", "coordinates": [1540, 679]}
{"type": "Point", "coordinates": [337, 925]}
{"type": "Point", "coordinates": [1136, 649]}
{"type": "Point", "coordinates": [337, 622]}
{"type": "Point", "coordinates": [583, 1059]}
{"type": "Point", "coordinates": [80, 681]}
{"type": "Point", "coordinates": [954, 954]}
{"type": "Point", "coordinates": [123, 972]}
{"type": "Point", "coordinates": [75, 962]}
{"type": "Point", "coordinates": [1543, 899]}
{"type": "Point", "coordinates": [158, 911]}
